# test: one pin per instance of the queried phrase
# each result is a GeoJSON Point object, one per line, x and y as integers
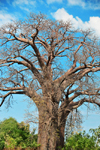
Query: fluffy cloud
{"type": "Point", "coordinates": [52, 1]}
{"type": "Point", "coordinates": [93, 23]}
{"type": "Point", "coordinates": [5, 18]}
{"type": "Point", "coordinates": [61, 14]}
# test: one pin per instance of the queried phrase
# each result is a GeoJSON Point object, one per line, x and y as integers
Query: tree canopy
{"type": "Point", "coordinates": [53, 64]}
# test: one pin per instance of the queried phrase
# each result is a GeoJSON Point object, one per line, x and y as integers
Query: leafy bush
{"type": "Point", "coordinates": [81, 141]}
{"type": "Point", "coordinates": [14, 134]}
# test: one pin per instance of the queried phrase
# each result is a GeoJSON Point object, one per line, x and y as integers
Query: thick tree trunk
{"type": "Point", "coordinates": [50, 136]}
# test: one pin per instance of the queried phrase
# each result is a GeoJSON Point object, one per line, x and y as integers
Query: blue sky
{"type": "Point", "coordinates": [83, 14]}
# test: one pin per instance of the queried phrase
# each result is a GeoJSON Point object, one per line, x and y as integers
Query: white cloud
{"type": "Point", "coordinates": [24, 4]}
{"type": "Point", "coordinates": [85, 4]}
{"type": "Point", "coordinates": [52, 1]}
{"type": "Point", "coordinates": [5, 18]}
{"type": "Point", "coordinates": [93, 23]}
{"type": "Point", "coordinates": [61, 14]}
{"type": "Point", "coordinates": [24, 8]}
{"type": "Point", "coordinates": [19, 2]}
{"type": "Point", "coordinates": [76, 2]}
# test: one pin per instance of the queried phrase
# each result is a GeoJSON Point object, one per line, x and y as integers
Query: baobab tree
{"type": "Point", "coordinates": [54, 65]}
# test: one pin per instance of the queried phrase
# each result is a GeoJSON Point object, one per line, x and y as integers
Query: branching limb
{"type": "Point", "coordinates": [76, 77]}
{"type": "Point", "coordinates": [44, 43]}
{"type": "Point", "coordinates": [75, 105]}
{"type": "Point", "coordinates": [39, 57]}
{"type": "Point", "coordinates": [10, 93]}
{"type": "Point", "coordinates": [27, 64]}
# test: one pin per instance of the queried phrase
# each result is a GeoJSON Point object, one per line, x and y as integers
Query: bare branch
{"type": "Point", "coordinates": [10, 93]}
{"type": "Point", "coordinates": [79, 103]}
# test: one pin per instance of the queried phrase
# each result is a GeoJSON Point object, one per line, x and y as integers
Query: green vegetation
{"type": "Point", "coordinates": [17, 135]}
{"type": "Point", "coordinates": [14, 134]}
{"type": "Point", "coordinates": [84, 141]}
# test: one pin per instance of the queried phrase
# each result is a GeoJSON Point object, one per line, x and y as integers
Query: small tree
{"type": "Point", "coordinates": [14, 134]}
{"type": "Point", "coordinates": [84, 141]}
{"type": "Point", "coordinates": [81, 141]}
{"type": "Point", "coordinates": [53, 64]}
{"type": "Point", "coordinates": [73, 124]}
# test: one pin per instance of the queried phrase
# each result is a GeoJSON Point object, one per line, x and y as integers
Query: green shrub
{"type": "Point", "coordinates": [14, 134]}
{"type": "Point", "coordinates": [81, 141]}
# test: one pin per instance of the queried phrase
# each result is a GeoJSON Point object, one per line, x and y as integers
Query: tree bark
{"type": "Point", "coordinates": [50, 135]}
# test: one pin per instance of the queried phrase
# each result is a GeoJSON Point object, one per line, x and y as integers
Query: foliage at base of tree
{"type": "Point", "coordinates": [83, 141]}
{"type": "Point", "coordinates": [14, 134]}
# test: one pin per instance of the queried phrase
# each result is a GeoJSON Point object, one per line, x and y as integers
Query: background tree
{"type": "Point", "coordinates": [82, 141]}
{"type": "Point", "coordinates": [14, 134]}
{"type": "Point", "coordinates": [53, 64]}
{"type": "Point", "coordinates": [31, 116]}
{"type": "Point", "coordinates": [73, 124]}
